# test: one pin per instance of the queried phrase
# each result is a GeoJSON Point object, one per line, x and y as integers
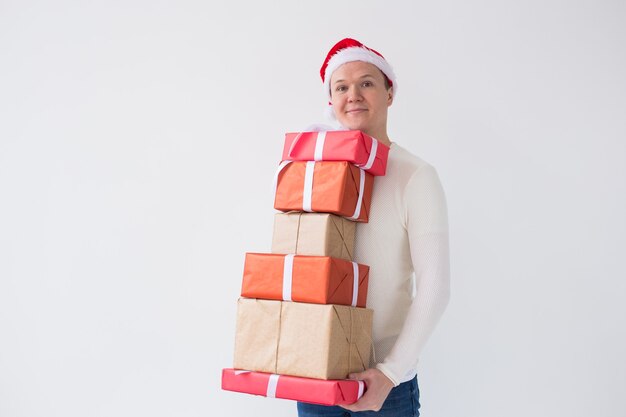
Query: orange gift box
{"type": "Point", "coordinates": [336, 187]}
{"type": "Point", "coordinates": [305, 279]}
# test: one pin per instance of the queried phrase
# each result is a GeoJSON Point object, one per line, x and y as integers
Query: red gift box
{"type": "Point", "coordinates": [308, 390]}
{"type": "Point", "coordinates": [348, 145]}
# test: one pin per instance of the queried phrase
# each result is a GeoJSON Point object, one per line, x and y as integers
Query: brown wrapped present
{"type": "Point", "coordinates": [300, 339]}
{"type": "Point", "coordinates": [316, 234]}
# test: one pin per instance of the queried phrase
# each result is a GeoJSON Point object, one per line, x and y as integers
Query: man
{"type": "Point", "coordinates": [405, 242]}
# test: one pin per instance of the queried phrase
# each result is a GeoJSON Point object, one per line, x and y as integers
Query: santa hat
{"type": "Point", "coordinates": [349, 50]}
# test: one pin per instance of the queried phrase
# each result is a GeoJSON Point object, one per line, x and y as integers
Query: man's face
{"type": "Point", "coordinates": [360, 97]}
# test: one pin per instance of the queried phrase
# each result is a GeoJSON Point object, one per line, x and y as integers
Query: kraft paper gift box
{"type": "Point", "coordinates": [328, 187]}
{"type": "Point", "coordinates": [305, 279]}
{"type": "Point", "coordinates": [348, 145]}
{"type": "Point", "coordinates": [318, 234]}
{"type": "Point", "coordinates": [300, 339]}
{"type": "Point", "coordinates": [308, 390]}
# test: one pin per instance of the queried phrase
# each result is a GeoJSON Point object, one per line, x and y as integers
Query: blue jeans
{"type": "Point", "coordinates": [403, 401]}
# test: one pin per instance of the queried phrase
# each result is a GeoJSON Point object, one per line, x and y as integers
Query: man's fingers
{"type": "Point", "coordinates": [356, 375]}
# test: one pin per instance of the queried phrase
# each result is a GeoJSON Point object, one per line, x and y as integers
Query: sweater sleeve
{"type": "Point", "coordinates": [427, 229]}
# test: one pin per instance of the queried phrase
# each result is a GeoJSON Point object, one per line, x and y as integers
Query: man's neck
{"type": "Point", "coordinates": [380, 136]}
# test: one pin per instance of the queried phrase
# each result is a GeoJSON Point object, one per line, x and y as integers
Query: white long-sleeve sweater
{"type": "Point", "coordinates": [405, 244]}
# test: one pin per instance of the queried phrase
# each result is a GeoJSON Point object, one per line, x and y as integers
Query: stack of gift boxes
{"type": "Point", "coordinates": [302, 325]}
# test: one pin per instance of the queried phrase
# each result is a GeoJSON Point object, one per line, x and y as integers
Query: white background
{"type": "Point", "coordinates": [138, 140]}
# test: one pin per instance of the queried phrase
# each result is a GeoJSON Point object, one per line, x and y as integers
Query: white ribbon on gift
{"type": "Point", "coordinates": [307, 193]}
{"type": "Point", "coordinates": [355, 283]}
{"type": "Point", "coordinates": [271, 386]}
{"type": "Point", "coordinates": [361, 389]}
{"type": "Point", "coordinates": [359, 202]}
{"type": "Point", "coordinates": [372, 156]}
{"type": "Point", "coordinates": [241, 371]}
{"type": "Point", "coordinates": [287, 277]}
{"type": "Point", "coordinates": [319, 146]}
{"type": "Point", "coordinates": [282, 166]}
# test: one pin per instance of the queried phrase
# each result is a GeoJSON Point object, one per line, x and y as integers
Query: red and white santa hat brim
{"type": "Point", "coordinates": [349, 50]}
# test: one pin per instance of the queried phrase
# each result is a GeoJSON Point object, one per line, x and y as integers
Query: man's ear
{"type": "Point", "coordinates": [390, 96]}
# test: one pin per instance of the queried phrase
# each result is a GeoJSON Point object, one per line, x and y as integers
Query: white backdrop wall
{"type": "Point", "coordinates": [138, 140]}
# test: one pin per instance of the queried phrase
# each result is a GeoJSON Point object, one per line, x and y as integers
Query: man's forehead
{"type": "Point", "coordinates": [370, 71]}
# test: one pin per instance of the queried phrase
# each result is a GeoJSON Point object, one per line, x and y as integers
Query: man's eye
{"type": "Point", "coordinates": [340, 88]}
{"type": "Point", "coordinates": [367, 84]}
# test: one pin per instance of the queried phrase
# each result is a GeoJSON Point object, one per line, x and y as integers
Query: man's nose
{"type": "Point", "coordinates": [354, 93]}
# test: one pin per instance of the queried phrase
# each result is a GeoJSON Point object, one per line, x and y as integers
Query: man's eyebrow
{"type": "Point", "coordinates": [362, 76]}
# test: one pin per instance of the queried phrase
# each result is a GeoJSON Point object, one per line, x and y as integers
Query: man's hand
{"type": "Point", "coordinates": [378, 387]}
